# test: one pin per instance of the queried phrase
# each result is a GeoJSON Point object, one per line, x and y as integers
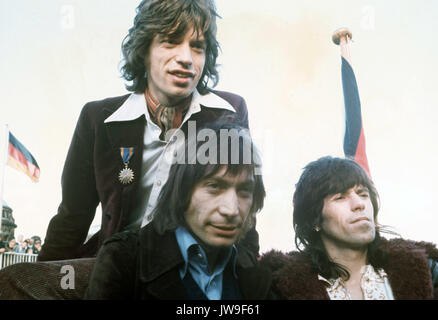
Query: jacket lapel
{"type": "Point", "coordinates": [160, 259]}
{"type": "Point", "coordinates": [124, 131]}
{"type": "Point", "coordinates": [126, 134]}
{"type": "Point", "coordinates": [408, 270]}
{"type": "Point", "coordinates": [167, 287]}
{"type": "Point", "coordinates": [254, 282]}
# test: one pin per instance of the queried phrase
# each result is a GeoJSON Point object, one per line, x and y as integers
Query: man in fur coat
{"type": "Point", "coordinates": [342, 255]}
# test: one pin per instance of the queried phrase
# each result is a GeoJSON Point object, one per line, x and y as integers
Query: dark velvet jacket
{"type": "Point", "coordinates": [145, 265]}
{"type": "Point", "coordinates": [91, 172]}
{"type": "Point", "coordinates": [408, 267]}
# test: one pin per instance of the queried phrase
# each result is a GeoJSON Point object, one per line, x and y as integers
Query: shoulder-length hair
{"type": "Point", "coordinates": [172, 18]}
{"type": "Point", "coordinates": [184, 176]}
{"type": "Point", "coordinates": [321, 178]}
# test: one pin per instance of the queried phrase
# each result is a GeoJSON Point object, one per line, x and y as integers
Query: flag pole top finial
{"type": "Point", "coordinates": [341, 33]}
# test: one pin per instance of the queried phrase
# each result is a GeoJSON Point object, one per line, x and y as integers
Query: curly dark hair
{"type": "Point", "coordinates": [172, 18]}
{"type": "Point", "coordinates": [321, 178]}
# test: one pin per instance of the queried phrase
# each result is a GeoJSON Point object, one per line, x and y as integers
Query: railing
{"type": "Point", "coordinates": [9, 258]}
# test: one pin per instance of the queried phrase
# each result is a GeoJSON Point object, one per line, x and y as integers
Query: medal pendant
{"type": "Point", "coordinates": [126, 175]}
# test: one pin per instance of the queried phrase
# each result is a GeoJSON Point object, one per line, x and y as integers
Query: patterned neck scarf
{"type": "Point", "coordinates": [374, 285]}
{"type": "Point", "coordinates": [166, 117]}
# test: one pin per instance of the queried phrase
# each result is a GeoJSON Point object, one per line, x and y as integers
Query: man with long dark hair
{"type": "Point", "coordinates": [341, 252]}
{"type": "Point", "coordinates": [189, 250]}
{"type": "Point", "coordinates": [117, 151]}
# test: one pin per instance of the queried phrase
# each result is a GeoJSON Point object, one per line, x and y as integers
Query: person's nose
{"type": "Point", "coordinates": [229, 205]}
{"type": "Point", "coordinates": [184, 55]}
{"type": "Point", "coordinates": [357, 203]}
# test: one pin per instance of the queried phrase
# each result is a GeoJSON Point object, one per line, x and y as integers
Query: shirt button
{"type": "Point", "coordinates": [159, 183]}
{"type": "Point", "coordinates": [150, 218]}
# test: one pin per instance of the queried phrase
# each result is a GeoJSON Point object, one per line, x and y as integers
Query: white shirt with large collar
{"type": "Point", "coordinates": [155, 169]}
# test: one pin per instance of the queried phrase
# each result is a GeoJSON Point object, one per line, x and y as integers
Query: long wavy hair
{"type": "Point", "coordinates": [176, 194]}
{"type": "Point", "coordinates": [321, 178]}
{"type": "Point", "coordinates": [172, 18]}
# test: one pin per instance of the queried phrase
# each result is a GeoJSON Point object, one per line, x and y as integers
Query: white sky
{"type": "Point", "coordinates": [57, 55]}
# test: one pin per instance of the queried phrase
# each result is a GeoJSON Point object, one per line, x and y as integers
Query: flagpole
{"type": "Point", "coordinates": [4, 160]}
{"type": "Point", "coordinates": [342, 37]}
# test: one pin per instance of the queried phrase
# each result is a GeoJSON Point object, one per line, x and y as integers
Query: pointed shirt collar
{"type": "Point", "coordinates": [135, 106]}
{"type": "Point", "coordinates": [189, 247]}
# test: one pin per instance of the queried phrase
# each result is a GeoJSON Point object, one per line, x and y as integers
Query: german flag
{"type": "Point", "coordinates": [21, 159]}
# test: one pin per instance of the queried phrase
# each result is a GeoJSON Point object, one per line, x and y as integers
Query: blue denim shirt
{"type": "Point", "coordinates": [209, 281]}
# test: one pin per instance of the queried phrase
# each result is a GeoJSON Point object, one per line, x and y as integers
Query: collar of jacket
{"type": "Point", "coordinates": [135, 106]}
{"type": "Point", "coordinates": [124, 133]}
{"type": "Point", "coordinates": [407, 267]}
{"type": "Point", "coordinates": [160, 259]}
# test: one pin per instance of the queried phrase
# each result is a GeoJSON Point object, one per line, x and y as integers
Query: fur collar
{"type": "Point", "coordinates": [407, 267]}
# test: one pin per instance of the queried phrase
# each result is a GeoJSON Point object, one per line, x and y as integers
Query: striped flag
{"type": "Point", "coordinates": [354, 138]}
{"type": "Point", "coordinates": [21, 159]}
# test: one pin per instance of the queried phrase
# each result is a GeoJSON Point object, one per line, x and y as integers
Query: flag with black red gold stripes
{"type": "Point", "coordinates": [21, 159]}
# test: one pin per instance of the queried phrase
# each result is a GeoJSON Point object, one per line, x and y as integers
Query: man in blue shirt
{"type": "Point", "coordinates": [189, 251]}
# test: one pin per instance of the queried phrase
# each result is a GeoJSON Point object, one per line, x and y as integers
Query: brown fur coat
{"type": "Point", "coordinates": [294, 277]}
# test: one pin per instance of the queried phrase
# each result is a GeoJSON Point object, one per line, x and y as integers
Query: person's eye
{"type": "Point", "coordinates": [245, 194]}
{"type": "Point", "coordinates": [212, 186]}
{"type": "Point", "coordinates": [169, 42]}
{"type": "Point", "coordinates": [246, 191]}
{"type": "Point", "coordinates": [198, 46]}
{"type": "Point", "coordinates": [364, 195]}
{"type": "Point", "coordinates": [338, 197]}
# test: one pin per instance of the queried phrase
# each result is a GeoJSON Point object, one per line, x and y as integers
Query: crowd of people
{"type": "Point", "coordinates": [21, 245]}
